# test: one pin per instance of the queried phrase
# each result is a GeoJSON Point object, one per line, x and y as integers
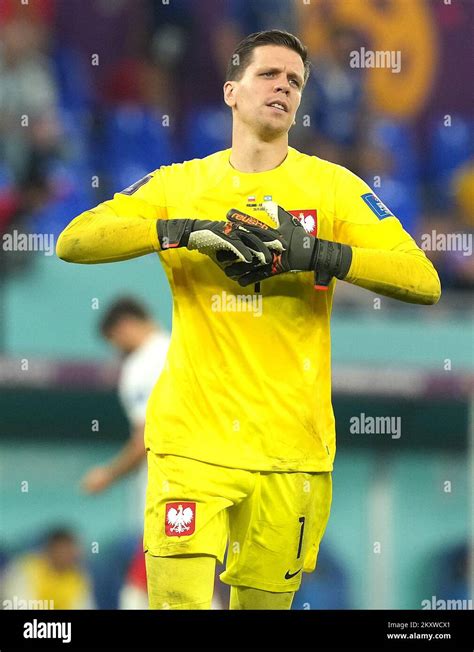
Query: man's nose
{"type": "Point", "coordinates": [283, 86]}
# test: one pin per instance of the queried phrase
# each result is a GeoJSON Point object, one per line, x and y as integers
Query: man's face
{"type": "Point", "coordinates": [63, 554]}
{"type": "Point", "coordinates": [126, 335]}
{"type": "Point", "coordinates": [269, 93]}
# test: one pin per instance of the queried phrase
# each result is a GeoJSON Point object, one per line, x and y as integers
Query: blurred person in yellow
{"type": "Point", "coordinates": [51, 578]}
{"type": "Point", "coordinates": [463, 189]}
{"type": "Point", "coordinates": [460, 259]}
{"type": "Point", "coordinates": [240, 429]}
{"type": "Point", "coordinates": [143, 345]}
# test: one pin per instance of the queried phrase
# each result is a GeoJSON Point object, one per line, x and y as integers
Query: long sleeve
{"type": "Point", "coordinates": [121, 228]}
{"type": "Point", "coordinates": [385, 258]}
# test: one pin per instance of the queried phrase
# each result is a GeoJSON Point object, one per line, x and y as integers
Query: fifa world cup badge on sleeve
{"type": "Point", "coordinates": [135, 186]}
{"type": "Point", "coordinates": [376, 205]}
{"type": "Point", "coordinates": [180, 519]}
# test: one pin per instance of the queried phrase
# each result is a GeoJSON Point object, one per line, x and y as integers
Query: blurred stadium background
{"type": "Point", "coordinates": [115, 88]}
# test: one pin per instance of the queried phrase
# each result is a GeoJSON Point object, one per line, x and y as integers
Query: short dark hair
{"type": "Point", "coordinates": [60, 534]}
{"type": "Point", "coordinates": [242, 55]}
{"type": "Point", "coordinates": [123, 307]}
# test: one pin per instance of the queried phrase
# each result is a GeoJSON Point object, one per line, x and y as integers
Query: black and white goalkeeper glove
{"type": "Point", "coordinates": [296, 251]}
{"type": "Point", "coordinates": [219, 240]}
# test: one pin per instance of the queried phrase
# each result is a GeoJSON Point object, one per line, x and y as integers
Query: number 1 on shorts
{"type": "Point", "coordinates": [301, 520]}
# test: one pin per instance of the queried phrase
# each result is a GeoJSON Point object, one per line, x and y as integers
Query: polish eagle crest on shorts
{"type": "Point", "coordinates": [180, 519]}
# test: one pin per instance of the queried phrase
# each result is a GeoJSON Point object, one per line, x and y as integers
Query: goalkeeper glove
{"type": "Point", "coordinates": [219, 240]}
{"type": "Point", "coordinates": [301, 252]}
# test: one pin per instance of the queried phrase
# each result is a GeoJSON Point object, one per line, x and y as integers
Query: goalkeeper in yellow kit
{"type": "Point", "coordinates": [240, 428]}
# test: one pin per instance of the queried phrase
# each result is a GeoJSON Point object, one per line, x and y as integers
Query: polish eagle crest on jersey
{"type": "Point", "coordinates": [309, 220]}
{"type": "Point", "coordinates": [307, 216]}
{"type": "Point", "coordinates": [180, 519]}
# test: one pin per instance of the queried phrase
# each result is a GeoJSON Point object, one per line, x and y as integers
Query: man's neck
{"type": "Point", "coordinates": [251, 154]}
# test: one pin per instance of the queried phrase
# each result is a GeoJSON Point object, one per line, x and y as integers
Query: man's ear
{"type": "Point", "coordinates": [229, 93]}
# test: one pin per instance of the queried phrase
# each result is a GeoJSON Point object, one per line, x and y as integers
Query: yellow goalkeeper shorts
{"type": "Point", "coordinates": [270, 523]}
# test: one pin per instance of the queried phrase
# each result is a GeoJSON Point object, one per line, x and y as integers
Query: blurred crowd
{"type": "Point", "coordinates": [96, 93]}
{"type": "Point", "coordinates": [49, 575]}
{"type": "Point", "coordinates": [53, 571]}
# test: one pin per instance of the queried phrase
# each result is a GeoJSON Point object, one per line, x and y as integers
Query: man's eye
{"type": "Point", "coordinates": [266, 74]}
{"type": "Point", "coordinates": [295, 83]}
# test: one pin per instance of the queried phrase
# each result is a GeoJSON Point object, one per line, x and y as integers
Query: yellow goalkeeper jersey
{"type": "Point", "coordinates": [247, 382]}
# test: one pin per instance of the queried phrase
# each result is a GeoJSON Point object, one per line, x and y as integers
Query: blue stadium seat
{"type": "Point", "coordinates": [76, 126]}
{"type": "Point", "coordinates": [108, 576]}
{"type": "Point", "coordinates": [450, 147]}
{"type": "Point", "coordinates": [398, 141]}
{"type": "Point", "coordinates": [451, 569]}
{"type": "Point", "coordinates": [6, 177]}
{"type": "Point", "coordinates": [54, 216]}
{"type": "Point", "coordinates": [208, 130]}
{"type": "Point", "coordinates": [135, 143]}
{"type": "Point", "coordinates": [72, 193]}
{"type": "Point", "coordinates": [403, 199]}
{"type": "Point", "coordinates": [326, 588]}
{"type": "Point", "coordinates": [73, 81]}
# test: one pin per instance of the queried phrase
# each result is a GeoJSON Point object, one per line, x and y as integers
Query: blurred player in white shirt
{"type": "Point", "coordinates": [144, 345]}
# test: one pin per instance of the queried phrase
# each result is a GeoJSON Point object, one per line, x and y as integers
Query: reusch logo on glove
{"type": "Point", "coordinates": [180, 519]}
{"type": "Point", "coordinates": [308, 218]}
{"type": "Point", "coordinates": [248, 219]}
